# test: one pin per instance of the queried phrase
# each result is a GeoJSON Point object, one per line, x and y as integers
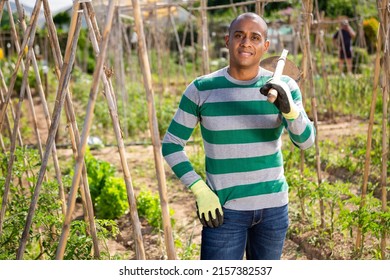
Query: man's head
{"type": "Point", "coordinates": [344, 24]}
{"type": "Point", "coordinates": [247, 41]}
{"type": "Point", "coordinates": [252, 16]}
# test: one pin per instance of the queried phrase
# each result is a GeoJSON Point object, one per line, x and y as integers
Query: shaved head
{"type": "Point", "coordinates": [251, 16]}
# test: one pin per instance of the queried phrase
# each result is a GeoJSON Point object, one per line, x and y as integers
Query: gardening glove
{"type": "Point", "coordinates": [283, 101]}
{"type": "Point", "coordinates": [209, 209]}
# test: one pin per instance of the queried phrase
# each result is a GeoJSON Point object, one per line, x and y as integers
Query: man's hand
{"type": "Point", "coordinates": [209, 208]}
{"type": "Point", "coordinates": [284, 101]}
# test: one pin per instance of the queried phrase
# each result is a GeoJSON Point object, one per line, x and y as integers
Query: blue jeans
{"type": "Point", "coordinates": [259, 233]}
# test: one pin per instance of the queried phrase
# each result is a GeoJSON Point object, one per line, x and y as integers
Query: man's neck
{"type": "Point", "coordinates": [243, 74]}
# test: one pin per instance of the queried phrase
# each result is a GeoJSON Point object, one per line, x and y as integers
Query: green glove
{"type": "Point", "coordinates": [209, 208]}
{"type": "Point", "coordinates": [284, 101]}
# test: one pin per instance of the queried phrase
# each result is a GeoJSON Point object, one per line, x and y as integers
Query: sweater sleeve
{"type": "Point", "coordinates": [301, 130]}
{"type": "Point", "coordinates": [179, 131]}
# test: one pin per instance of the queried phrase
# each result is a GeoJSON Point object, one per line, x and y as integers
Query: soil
{"type": "Point", "coordinates": [187, 228]}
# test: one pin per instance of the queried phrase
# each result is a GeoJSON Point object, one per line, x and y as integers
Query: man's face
{"type": "Point", "coordinates": [246, 43]}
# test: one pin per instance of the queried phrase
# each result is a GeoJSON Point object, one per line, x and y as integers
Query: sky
{"type": "Point", "coordinates": [55, 5]}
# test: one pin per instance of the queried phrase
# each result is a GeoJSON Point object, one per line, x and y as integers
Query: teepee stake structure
{"type": "Point", "coordinates": [153, 125]}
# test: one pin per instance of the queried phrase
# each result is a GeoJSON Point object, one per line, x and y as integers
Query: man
{"type": "Point", "coordinates": [343, 40]}
{"type": "Point", "coordinates": [243, 205]}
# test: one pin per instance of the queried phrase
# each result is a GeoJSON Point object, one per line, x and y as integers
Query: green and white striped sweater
{"type": "Point", "coordinates": [241, 133]}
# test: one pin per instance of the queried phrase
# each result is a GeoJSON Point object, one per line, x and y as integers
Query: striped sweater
{"type": "Point", "coordinates": [241, 133]}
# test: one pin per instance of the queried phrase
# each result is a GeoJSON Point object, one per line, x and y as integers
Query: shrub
{"type": "Point", "coordinates": [370, 27]}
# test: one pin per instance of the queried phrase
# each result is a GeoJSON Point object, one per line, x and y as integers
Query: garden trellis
{"type": "Point", "coordinates": [63, 94]}
{"type": "Point", "coordinates": [115, 30]}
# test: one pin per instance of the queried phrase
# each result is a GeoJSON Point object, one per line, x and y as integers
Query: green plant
{"type": "Point", "coordinates": [148, 207]}
{"type": "Point", "coordinates": [99, 172]}
{"type": "Point", "coordinates": [370, 28]}
{"type": "Point", "coordinates": [189, 250]}
{"type": "Point", "coordinates": [333, 195]}
{"type": "Point", "coordinates": [112, 201]}
{"type": "Point", "coordinates": [42, 241]}
{"type": "Point", "coordinates": [368, 217]}
{"type": "Point", "coordinates": [108, 192]}
{"type": "Point", "coordinates": [303, 186]}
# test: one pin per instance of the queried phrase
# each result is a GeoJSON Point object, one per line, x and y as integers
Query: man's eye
{"type": "Point", "coordinates": [256, 38]}
{"type": "Point", "coordinates": [238, 35]}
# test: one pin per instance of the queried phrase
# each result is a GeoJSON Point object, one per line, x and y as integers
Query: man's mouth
{"type": "Point", "coordinates": [245, 53]}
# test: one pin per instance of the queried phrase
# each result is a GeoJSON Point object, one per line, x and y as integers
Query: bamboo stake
{"type": "Point", "coordinates": [385, 151]}
{"type": "Point", "coordinates": [325, 75]}
{"type": "Point", "coordinates": [5, 89]}
{"type": "Point", "coordinates": [74, 132]}
{"type": "Point", "coordinates": [28, 34]}
{"type": "Point", "coordinates": [205, 38]}
{"type": "Point", "coordinates": [159, 47]}
{"type": "Point", "coordinates": [4, 86]}
{"type": "Point", "coordinates": [11, 159]}
{"type": "Point", "coordinates": [85, 132]}
{"type": "Point", "coordinates": [181, 55]}
{"type": "Point", "coordinates": [70, 51]}
{"type": "Point", "coordinates": [72, 126]}
{"type": "Point", "coordinates": [193, 42]}
{"type": "Point", "coordinates": [121, 77]}
{"type": "Point", "coordinates": [110, 97]}
{"type": "Point", "coordinates": [23, 27]}
{"type": "Point", "coordinates": [307, 6]}
{"type": "Point", "coordinates": [153, 125]}
{"type": "Point", "coordinates": [259, 7]}
{"type": "Point", "coordinates": [385, 129]}
{"type": "Point", "coordinates": [237, 4]}
{"type": "Point", "coordinates": [369, 134]}
{"type": "Point", "coordinates": [28, 89]}
{"type": "Point", "coordinates": [1, 8]}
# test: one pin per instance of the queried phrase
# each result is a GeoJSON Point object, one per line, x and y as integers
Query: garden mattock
{"type": "Point", "coordinates": [280, 65]}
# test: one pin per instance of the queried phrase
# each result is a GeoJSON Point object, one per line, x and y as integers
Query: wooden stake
{"type": "Point", "coordinates": [70, 53]}
{"type": "Point", "coordinates": [153, 125]}
{"type": "Point", "coordinates": [110, 97]}
{"type": "Point", "coordinates": [385, 127]}
{"type": "Point", "coordinates": [23, 27]}
{"type": "Point", "coordinates": [28, 34]}
{"type": "Point", "coordinates": [307, 6]}
{"type": "Point", "coordinates": [30, 41]}
{"type": "Point", "coordinates": [73, 131]}
{"type": "Point", "coordinates": [5, 89]}
{"type": "Point", "coordinates": [181, 55]}
{"type": "Point", "coordinates": [85, 132]}
{"type": "Point", "coordinates": [205, 38]}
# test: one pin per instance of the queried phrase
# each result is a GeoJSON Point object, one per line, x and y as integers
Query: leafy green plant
{"type": "Point", "coordinates": [99, 172]}
{"type": "Point", "coordinates": [148, 206]}
{"type": "Point", "coordinates": [189, 250]}
{"type": "Point", "coordinates": [47, 223]}
{"type": "Point", "coordinates": [108, 192]}
{"type": "Point", "coordinates": [369, 217]}
{"type": "Point", "coordinates": [112, 201]}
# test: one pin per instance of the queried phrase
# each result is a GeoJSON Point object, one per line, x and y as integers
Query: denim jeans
{"type": "Point", "coordinates": [259, 233]}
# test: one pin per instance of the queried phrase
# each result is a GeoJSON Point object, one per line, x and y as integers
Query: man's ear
{"type": "Point", "coordinates": [227, 40]}
{"type": "Point", "coordinates": [266, 45]}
